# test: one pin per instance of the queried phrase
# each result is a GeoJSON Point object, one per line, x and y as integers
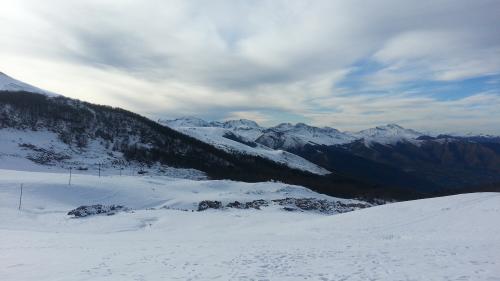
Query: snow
{"type": "Point", "coordinates": [17, 147]}
{"type": "Point", "coordinates": [271, 142]}
{"type": "Point", "coordinates": [301, 134]}
{"type": "Point", "coordinates": [447, 238]}
{"type": "Point", "coordinates": [8, 83]}
{"type": "Point", "coordinates": [289, 136]}
{"type": "Point", "coordinates": [388, 134]}
{"type": "Point", "coordinates": [186, 122]}
{"type": "Point", "coordinates": [215, 137]}
{"type": "Point", "coordinates": [243, 127]}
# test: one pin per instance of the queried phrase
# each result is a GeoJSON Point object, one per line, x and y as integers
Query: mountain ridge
{"type": "Point", "coordinates": [400, 156]}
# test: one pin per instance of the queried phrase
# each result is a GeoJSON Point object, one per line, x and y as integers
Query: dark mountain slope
{"type": "Point", "coordinates": [343, 162]}
{"type": "Point", "coordinates": [450, 164]}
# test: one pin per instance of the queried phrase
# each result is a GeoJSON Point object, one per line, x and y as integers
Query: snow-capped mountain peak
{"type": "Point", "coordinates": [241, 124]}
{"type": "Point", "coordinates": [388, 134]}
{"type": "Point", "coordinates": [287, 135]}
{"type": "Point", "coordinates": [8, 83]}
{"type": "Point", "coordinates": [185, 122]}
{"type": "Point", "coordinates": [283, 127]}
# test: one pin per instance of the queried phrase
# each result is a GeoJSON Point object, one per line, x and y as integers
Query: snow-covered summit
{"type": "Point", "coordinates": [287, 135]}
{"type": "Point", "coordinates": [185, 122]}
{"type": "Point", "coordinates": [241, 124]}
{"type": "Point", "coordinates": [304, 129]}
{"type": "Point", "coordinates": [388, 134]}
{"type": "Point", "coordinates": [8, 83]}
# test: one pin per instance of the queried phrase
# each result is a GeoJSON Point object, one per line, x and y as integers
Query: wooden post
{"type": "Point", "coordinates": [21, 197]}
{"type": "Point", "coordinates": [99, 169]}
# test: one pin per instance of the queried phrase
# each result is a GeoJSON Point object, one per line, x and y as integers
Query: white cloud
{"type": "Point", "coordinates": [477, 113]}
{"type": "Point", "coordinates": [442, 55]}
{"type": "Point", "coordinates": [225, 58]}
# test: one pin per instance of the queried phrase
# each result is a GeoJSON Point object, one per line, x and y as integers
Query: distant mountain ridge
{"type": "Point", "coordinates": [287, 135]}
{"type": "Point", "coordinates": [387, 155]}
{"type": "Point", "coordinates": [239, 136]}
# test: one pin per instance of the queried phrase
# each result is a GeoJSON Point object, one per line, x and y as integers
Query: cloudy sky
{"type": "Point", "coordinates": [429, 65]}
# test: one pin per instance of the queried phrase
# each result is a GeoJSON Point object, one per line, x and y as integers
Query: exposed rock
{"type": "Point", "coordinates": [319, 205]}
{"type": "Point", "coordinates": [237, 205]}
{"type": "Point", "coordinates": [290, 204]}
{"type": "Point", "coordinates": [208, 204]}
{"type": "Point", "coordinates": [84, 211]}
{"type": "Point", "coordinates": [289, 209]}
{"type": "Point", "coordinates": [256, 204]}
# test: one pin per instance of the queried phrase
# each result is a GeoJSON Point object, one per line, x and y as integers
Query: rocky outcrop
{"type": "Point", "coordinates": [289, 204]}
{"type": "Point", "coordinates": [84, 211]}
{"type": "Point", "coordinates": [319, 205]}
{"type": "Point", "coordinates": [208, 204]}
{"type": "Point", "coordinates": [256, 204]}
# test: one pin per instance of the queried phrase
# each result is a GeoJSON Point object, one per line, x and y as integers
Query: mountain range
{"type": "Point", "coordinates": [44, 129]}
{"type": "Point", "coordinates": [388, 155]}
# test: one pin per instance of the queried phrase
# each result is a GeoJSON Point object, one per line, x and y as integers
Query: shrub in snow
{"type": "Point", "coordinates": [84, 211]}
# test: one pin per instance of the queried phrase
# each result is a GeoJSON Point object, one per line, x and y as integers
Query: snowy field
{"type": "Point", "coordinates": [448, 238]}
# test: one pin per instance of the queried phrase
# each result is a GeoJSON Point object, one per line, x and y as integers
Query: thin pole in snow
{"type": "Point", "coordinates": [21, 197]}
{"type": "Point", "coordinates": [69, 175]}
{"type": "Point", "coordinates": [99, 169]}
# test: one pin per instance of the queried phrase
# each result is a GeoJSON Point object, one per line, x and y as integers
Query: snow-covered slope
{"type": "Point", "coordinates": [388, 134]}
{"type": "Point", "coordinates": [287, 136]}
{"type": "Point", "coordinates": [8, 83]}
{"type": "Point", "coordinates": [243, 127]}
{"type": "Point", "coordinates": [43, 150]}
{"type": "Point", "coordinates": [236, 136]}
{"type": "Point", "coordinates": [248, 129]}
{"type": "Point", "coordinates": [448, 238]}
{"type": "Point", "coordinates": [53, 192]}
{"type": "Point", "coordinates": [186, 122]}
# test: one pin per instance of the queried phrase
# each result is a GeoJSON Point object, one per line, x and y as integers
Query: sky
{"type": "Point", "coordinates": [428, 65]}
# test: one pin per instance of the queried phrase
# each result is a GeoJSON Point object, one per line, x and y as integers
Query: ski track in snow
{"type": "Point", "coordinates": [447, 238]}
